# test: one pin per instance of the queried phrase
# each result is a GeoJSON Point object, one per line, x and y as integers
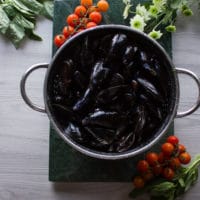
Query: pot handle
{"type": "Point", "coordinates": [197, 103]}
{"type": "Point", "coordinates": [23, 86]}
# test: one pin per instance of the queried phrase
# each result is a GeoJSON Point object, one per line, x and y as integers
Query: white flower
{"type": "Point", "coordinates": [155, 34]}
{"type": "Point", "coordinates": [142, 11]}
{"type": "Point", "coordinates": [137, 22]}
{"type": "Point", "coordinates": [159, 2]}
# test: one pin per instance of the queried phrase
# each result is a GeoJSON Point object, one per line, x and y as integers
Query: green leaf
{"type": "Point", "coordinates": [10, 10]}
{"type": "Point", "coordinates": [47, 10]}
{"type": "Point", "coordinates": [33, 36]}
{"type": "Point", "coordinates": [22, 8]}
{"type": "Point", "coordinates": [22, 21]}
{"type": "Point", "coordinates": [4, 21]}
{"type": "Point", "coordinates": [33, 5]}
{"type": "Point", "coordinates": [15, 33]}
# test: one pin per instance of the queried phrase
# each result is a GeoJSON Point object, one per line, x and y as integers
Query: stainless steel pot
{"type": "Point", "coordinates": [145, 40]}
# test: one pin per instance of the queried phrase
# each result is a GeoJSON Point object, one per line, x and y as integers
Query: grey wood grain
{"type": "Point", "coordinates": [24, 138]}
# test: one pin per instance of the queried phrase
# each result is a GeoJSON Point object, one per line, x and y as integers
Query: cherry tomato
{"type": "Point", "coordinates": [138, 182]}
{"type": "Point", "coordinates": [80, 10]}
{"type": "Point", "coordinates": [95, 17]}
{"type": "Point", "coordinates": [167, 149]}
{"type": "Point", "coordinates": [148, 175]}
{"type": "Point", "coordinates": [168, 173]}
{"type": "Point", "coordinates": [142, 166]}
{"type": "Point", "coordinates": [102, 6]}
{"type": "Point", "coordinates": [67, 31]}
{"type": "Point", "coordinates": [174, 163]}
{"type": "Point", "coordinates": [72, 20]}
{"type": "Point", "coordinates": [86, 3]}
{"type": "Point", "coordinates": [181, 148]}
{"type": "Point", "coordinates": [152, 158]}
{"type": "Point", "coordinates": [91, 24]}
{"type": "Point", "coordinates": [157, 169]}
{"type": "Point", "coordinates": [59, 40]}
{"type": "Point", "coordinates": [173, 140]}
{"type": "Point", "coordinates": [161, 158]}
{"type": "Point", "coordinates": [185, 158]}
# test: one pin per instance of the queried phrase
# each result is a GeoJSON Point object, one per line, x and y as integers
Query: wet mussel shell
{"type": "Point", "coordinates": [111, 92]}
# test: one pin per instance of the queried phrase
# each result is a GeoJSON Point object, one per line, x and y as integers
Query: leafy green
{"type": "Point", "coordinates": [18, 18]}
{"type": "Point", "coordinates": [4, 21]}
{"type": "Point", "coordinates": [170, 190]}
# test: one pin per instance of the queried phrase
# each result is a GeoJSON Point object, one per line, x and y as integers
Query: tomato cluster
{"type": "Point", "coordinates": [86, 15]}
{"type": "Point", "coordinates": [165, 163]}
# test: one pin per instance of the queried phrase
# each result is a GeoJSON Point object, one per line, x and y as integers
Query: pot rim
{"type": "Point", "coordinates": [130, 153]}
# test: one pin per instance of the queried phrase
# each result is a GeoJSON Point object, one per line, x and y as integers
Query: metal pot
{"type": "Point", "coordinates": [143, 39]}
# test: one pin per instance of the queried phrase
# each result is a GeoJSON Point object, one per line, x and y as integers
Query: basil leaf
{"type": "Point", "coordinates": [10, 10]}
{"type": "Point", "coordinates": [191, 178]}
{"type": "Point", "coordinates": [22, 8]}
{"type": "Point", "coordinates": [164, 190]}
{"type": "Point", "coordinates": [34, 5]}
{"type": "Point", "coordinates": [47, 10]}
{"type": "Point", "coordinates": [4, 21]}
{"type": "Point", "coordinates": [22, 21]}
{"type": "Point", "coordinates": [15, 33]}
{"type": "Point", "coordinates": [31, 35]}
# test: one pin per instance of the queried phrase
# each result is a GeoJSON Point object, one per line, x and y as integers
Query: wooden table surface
{"type": "Point", "coordinates": [24, 138]}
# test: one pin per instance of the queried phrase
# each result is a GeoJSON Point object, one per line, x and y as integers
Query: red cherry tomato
{"type": "Point", "coordinates": [95, 17]}
{"type": "Point", "coordinates": [168, 173]}
{"type": "Point", "coordinates": [152, 158]}
{"type": "Point", "coordinates": [90, 25]}
{"type": "Point", "coordinates": [102, 5]}
{"type": "Point", "coordinates": [80, 10]}
{"type": "Point", "coordinates": [174, 163]}
{"type": "Point", "coordinates": [161, 158]}
{"type": "Point", "coordinates": [59, 40]}
{"type": "Point", "coordinates": [173, 140]}
{"type": "Point", "coordinates": [72, 20]}
{"type": "Point", "coordinates": [142, 166]}
{"type": "Point", "coordinates": [185, 158]}
{"type": "Point", "coordinates": [138, 182]}
{"type": "Point", "coordinates": [181, 148]}
{"type": "Point", "coordinates": [167, 149]}
{"type": "Point", "coordinates": [148, 175]}
{"type": "Point", "coordinates": [67, 31]}
{"type": "Point", "coordinates": [157, 169]}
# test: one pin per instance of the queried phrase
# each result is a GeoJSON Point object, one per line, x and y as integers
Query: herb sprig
{"type": "Point", "coordinates": [150, 16]}
{"type": "Point", "coordinates": [170, 190]}
{"type": "Point", "coordinates": [18, 18]}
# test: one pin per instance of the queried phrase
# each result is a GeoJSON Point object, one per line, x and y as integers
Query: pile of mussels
{"type": "Point", "coordinates": [110, 94]}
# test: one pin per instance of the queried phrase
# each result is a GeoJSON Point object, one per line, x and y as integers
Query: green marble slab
{"type": "Point", "coordinates": [65, 163]}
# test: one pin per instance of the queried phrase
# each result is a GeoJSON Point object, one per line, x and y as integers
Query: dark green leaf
{"type": "Point", "coordinates": [191, 178]}
{"type": "Point", "coordinates": [31, 35]}
{"type": "Point", "coordinates": [47, 10]}
{"type": "Point", "coordinates": [22, 21]}
{"type": "Point", "coordinates": [4, 21]}
{"type": "Point", "coordinates": [10, 10]}
{"type": "Point", "coordinates": [34, 5]}
{"type": "Point", "coordinates": [22, 8]}
{"type": "Point", "coordinates": [15, 33]}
